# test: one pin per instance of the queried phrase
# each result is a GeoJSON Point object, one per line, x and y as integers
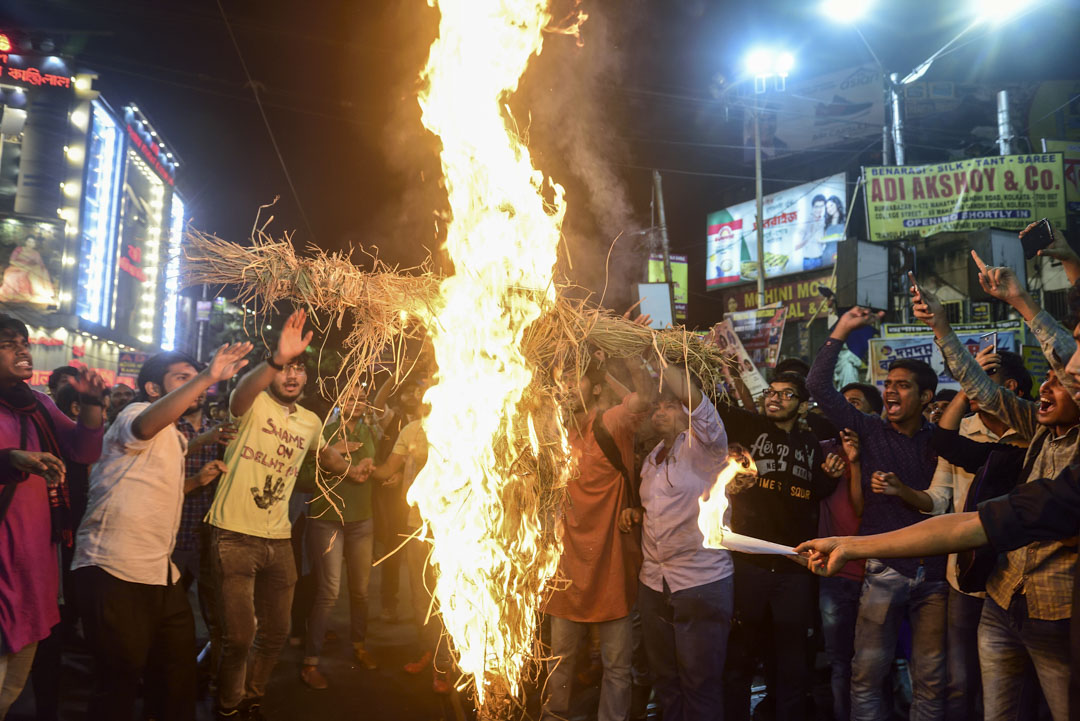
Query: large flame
{"type": "Point", "coordinates": [491, 564]}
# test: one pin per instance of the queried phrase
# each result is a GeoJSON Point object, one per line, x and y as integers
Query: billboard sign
{"type": "Point", "coordinates": [1071, 151]}
{"type": "Point", "coordinates": [803, 227]}
{"type": "Point", "coordinates": [1007, 192]}
{"type": "Point", "coordinates": [761, 331]}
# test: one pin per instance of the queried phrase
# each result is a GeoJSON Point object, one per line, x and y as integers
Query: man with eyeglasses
{"type": "Point", "coordinates": [781, 505]}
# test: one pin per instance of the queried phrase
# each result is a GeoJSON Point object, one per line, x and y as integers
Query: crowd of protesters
{"type": "Point", "coordinates": [941, 581]}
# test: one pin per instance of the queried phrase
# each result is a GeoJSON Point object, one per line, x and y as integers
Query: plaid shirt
{"type": "Point", "coordinates": [1043, 570]}
{"type": "Point", "coordinates": [196, 503]}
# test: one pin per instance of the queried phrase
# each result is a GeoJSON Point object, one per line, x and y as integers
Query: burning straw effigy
{"type": "Point", "coordinates": [382, 308]}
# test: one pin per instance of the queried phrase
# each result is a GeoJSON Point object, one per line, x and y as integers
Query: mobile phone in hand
{"type": "Point", "coordinates": [914, 284]}
{"type": "Point", "coordinates": [1039, 237]}
{"type": "Point", "coordinates": [988, 340]}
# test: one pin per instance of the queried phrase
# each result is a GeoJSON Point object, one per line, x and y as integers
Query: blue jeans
{"type": "Point", "coordinates": [1010, 645]}
{"type": "Point", "coordinates": [887, 596]}
{"type": "Point", "coordinates": [839, 601]}
{"type": "Point", "coordinates": [615, 650]}
{"type": "Point", "coordinates": [963, 701]}
{"type": "Point", "coordinates": [686, 640]}
{"type": "Point", "coordinates": [327, 542]}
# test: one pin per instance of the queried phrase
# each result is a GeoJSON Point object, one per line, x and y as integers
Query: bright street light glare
{"type": "Point", "coordinates": [759, 62]}
{"type": "Point", "coordinates": [997, 11]}
{"type": "Point", "coordinates": [784, 63]}
{"type": "Point", "coordinates": [844, 11]}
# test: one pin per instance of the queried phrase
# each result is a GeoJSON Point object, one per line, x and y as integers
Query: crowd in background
{"type": "Point", "coordinates": [117, 501]}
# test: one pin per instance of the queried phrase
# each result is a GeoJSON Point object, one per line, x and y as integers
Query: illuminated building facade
{"type": "Point", "coordinates": [91, 223]}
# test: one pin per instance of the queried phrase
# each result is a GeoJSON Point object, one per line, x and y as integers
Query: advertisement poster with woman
{"type": "Point", "coordinates": [803, 228]}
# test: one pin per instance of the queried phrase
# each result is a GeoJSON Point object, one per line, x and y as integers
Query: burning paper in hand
{"type": "Point", "coordinates": [714, 504]}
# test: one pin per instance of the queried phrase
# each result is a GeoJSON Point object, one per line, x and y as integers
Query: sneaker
{"type": "Point", "coordinates": [418, 665]}
{"type": "Point", "coordinates": [311, 676]}
{"type": "Point", "coordinates": [362, 657]}
{"type": "Point", "coordinates": [439, 684]}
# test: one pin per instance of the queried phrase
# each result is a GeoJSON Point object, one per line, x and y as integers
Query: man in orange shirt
{"type": "Point", "coordinates": [600, 556]}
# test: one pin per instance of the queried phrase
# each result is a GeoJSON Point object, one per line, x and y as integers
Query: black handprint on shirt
{"type": "Point", "coordinates": [269, 496]}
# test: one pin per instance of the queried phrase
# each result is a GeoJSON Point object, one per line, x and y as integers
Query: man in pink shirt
{"type": "Point", "coordinates": [34, 504]}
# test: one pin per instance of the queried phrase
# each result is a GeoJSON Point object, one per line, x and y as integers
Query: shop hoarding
{"type": "Point", "coordinates": [680, 277]}
{"type": "Point", "coordinates": [1006, 192]}
{"type": "Point", "coordinates": [803, 227]}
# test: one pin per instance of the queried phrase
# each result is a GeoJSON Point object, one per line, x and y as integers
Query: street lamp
{"type": "Point", "coordinates": [764, 63]}
{"type": "Point", "coordinates": [848, 10]}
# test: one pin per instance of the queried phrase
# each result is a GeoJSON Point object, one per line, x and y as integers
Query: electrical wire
{"type": "Point", "coordinates": [266, 121]}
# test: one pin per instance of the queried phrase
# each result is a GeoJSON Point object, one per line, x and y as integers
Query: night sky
{"type": "Point", "coordinates": [338, 84]}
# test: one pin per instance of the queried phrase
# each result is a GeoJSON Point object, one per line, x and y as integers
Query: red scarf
{"type": "Point", "coordinates": [25, 405]}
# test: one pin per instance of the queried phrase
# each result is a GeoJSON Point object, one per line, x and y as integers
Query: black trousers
{"type": "Point", "coordinates": [138, 632]}
{"type": "Point", "coordinates": [773, 611]}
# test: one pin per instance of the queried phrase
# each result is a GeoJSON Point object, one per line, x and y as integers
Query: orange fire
{"type": "Point", "coordinates": [490, 561]}
{"type": "Point", "coordinates": [713, 505]}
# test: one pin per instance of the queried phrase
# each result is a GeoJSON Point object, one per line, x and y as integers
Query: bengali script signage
{"type": "Point", "coordinates": [1007, 192]}
{"type": "Point", "coordinates": [917, 343]}
{"type": "Point", "coordinates": [1071, 151]}
{"type": "Point", "coordinates": [803, 227]}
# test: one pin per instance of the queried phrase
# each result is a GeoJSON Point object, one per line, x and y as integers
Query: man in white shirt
{"type": "Point", "coordinates": [135, 613]}
{"type": "Point", "coordinates": [686, 594]}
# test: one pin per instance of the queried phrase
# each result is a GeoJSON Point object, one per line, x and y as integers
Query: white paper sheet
{"type": "Point", "coordinates": [746, 544]}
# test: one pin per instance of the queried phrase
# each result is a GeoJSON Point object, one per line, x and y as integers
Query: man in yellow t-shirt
{"type": "Point", "coordinates": [250, 549]}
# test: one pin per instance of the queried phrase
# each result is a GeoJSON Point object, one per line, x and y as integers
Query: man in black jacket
{"type": "Point", "coordinates": [774, 598]}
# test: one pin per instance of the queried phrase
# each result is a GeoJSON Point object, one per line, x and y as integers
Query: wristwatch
{"type": "Point", "coordinates": [270, 361]}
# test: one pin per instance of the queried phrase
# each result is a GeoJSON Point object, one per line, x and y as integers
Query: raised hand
{"type": "Point", "coordinates": [228, 360]}
{"type": "Point", "coordinates": [90, 383]}
{"type": "Point", "coordinates": [293, 341]}
{"type": "Point", "coordinates": [1059, 249]}
{"type": "Point", "coordinates": [849, 440]}
{"type": "Point", "coordinates": [886, 483]}
{"type": "Point", "coordinates": [999, 281]}
{"type": "Point", "coordinates": [989, 360]}
{"type": "Point", "coordinates": [39, 463]}
{"type": "Point", "coordinates": [927, 308]}
{"type": "Point", "coordinates": [834, 465]}
{"type": "Point", "coordinates": [856, 317]}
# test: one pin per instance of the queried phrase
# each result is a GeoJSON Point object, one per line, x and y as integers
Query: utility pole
{"type": "Point", "coordinates": [760, 212]}
{"type": "Point", "coordinates": [897, 117]}
{"type": "Point", "coordinates": [658, 188]}
{"type": "Point", "coordinates": [1005, 133]}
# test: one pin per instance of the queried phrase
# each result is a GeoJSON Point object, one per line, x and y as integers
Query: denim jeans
{"type": "Point", "coordinates": [963, 700]}
{"type": "Point", "coordinates": [615, 651]}
{"type": "Point", "coordinates": [838, 598]}
{"type": "Point", "coordinates": [1010, 645]}
{"type": "Point", "coordinates": [887, 596]}
{"type": "Point", "coordinates": [255, 580]}
{"type": "Point", "coordinates": [327, 542]}
{"type": "Point", "coordinates": [772, 614]}
{"type": "Point", "coordinates": [686, 635]}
